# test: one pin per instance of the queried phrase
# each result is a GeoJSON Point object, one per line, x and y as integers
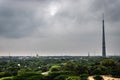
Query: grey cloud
{"type": "Point", "coordinates": [75, 27]}
{"type": "Point", "coordinates": [109, 7]}
{"type": "Point", "coordinates": [17, 21]}
{"type": "Point", "coordinates": [20, 21]}
{"type": "Point", "coordinates": [15, 26]}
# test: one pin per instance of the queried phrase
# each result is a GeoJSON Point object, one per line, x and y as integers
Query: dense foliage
{"type": "Point", "coordinates": [98, 77]}
{"type": "Point", "coordinates": [57, 68]}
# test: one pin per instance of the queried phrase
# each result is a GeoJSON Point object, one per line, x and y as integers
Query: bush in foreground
{"type": "Point", "coordinates": [84, 76]}
{"type": "Point", "coordinates": [98, 77]}
{"type": "Point", "coordinates": [29, 76]}
{"type": "Point", "coordinates": [73, 78]}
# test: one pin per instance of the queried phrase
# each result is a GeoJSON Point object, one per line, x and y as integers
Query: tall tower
{"type": "Point", "coordinates": [103, 39]}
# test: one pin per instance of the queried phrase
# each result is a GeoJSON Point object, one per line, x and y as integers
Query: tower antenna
{"type": "Point", "coordinates": [103, 38]}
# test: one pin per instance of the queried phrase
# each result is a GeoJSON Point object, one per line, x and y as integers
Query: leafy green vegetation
{"type": "Point", "coordinates": [73, 78]}
{"type": "Point", "coordinates": [98, 77]}
{"type": "Point", "coordinates": [58, 68]}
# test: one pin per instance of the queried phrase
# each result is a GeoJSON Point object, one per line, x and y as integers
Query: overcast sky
{"type": "Point", "coordinates": [58, 27]}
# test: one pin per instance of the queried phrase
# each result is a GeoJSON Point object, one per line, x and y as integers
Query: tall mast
{"type": "Point", "coordinates": [103, 39]}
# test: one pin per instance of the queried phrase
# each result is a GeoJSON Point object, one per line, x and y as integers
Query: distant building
{"type": "Point", "coordinates": [37, 55]}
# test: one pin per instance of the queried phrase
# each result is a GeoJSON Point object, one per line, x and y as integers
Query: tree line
{"type": "Point", "coordinates": [59, 69]}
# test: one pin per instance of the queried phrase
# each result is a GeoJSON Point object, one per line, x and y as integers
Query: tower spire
{"type": "Point", "coordinates": [103, 39]}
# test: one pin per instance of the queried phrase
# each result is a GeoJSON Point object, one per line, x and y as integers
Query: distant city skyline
{"type": "Point", "coordinates": [58, 27]}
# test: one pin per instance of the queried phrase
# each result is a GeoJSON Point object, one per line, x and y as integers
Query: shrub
{"type": "Point", "coordinates": [98, 77]}
{"type": "Point", "coordinates": [116, 71]}
{"type": "Point", "coordinates": [99, 70]}
{"type": "Point", "coordinates": [29, 76]}
{"type": "Point", "coordinates": [4, 74]}
{"type": "Point", "coordinates": [7, 78]}
{"type": "Point", "coordinates": [73, 78]}
{"type": "Point", "coordinates": [84, 76]}
{"type": "Point", "coordinates": [55, 68]}
{"type": "Point", "coordinates": [53, 75]}
{"type": "Point", "coordinates": [61, 77]}
{"type": "Point", "coordinates": [108, 62]}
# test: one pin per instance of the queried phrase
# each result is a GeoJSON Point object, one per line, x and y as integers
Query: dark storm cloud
{"type": "Point", "coordinates": [58, 25]}
{"type": "Point", "coordinates": [17, 19]}
{"type": "Point", "coordinates": [13, 23]}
